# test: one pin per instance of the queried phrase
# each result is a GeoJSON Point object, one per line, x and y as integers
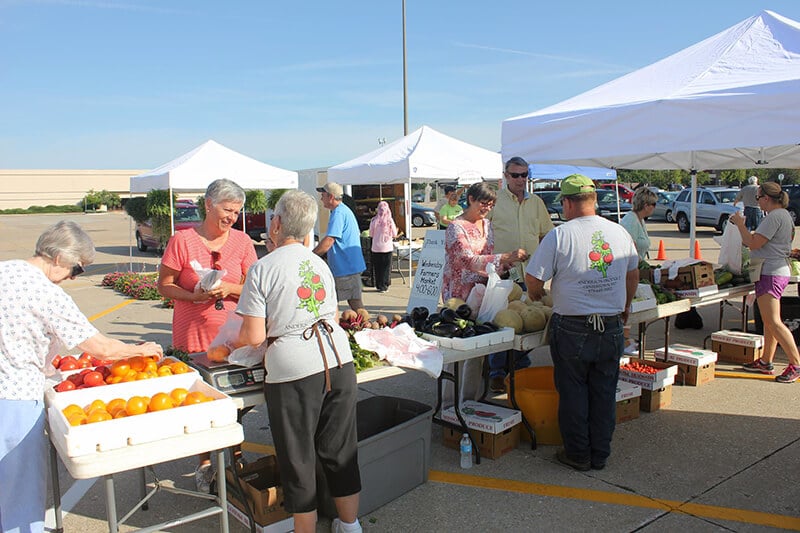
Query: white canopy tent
{"type": "Point", "coordinates": [195, 170]}
{"type": "Point", "coordinates": [421, 156]}
{"type": "Point", "coordinates": [730, 101]}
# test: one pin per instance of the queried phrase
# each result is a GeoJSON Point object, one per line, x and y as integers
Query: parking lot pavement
{"type": "Point", "coordinates": [723, 456]}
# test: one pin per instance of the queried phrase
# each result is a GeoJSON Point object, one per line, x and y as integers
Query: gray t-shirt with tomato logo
{"type": "Point", "coordinates": [587, 259]}
{"type": "Point", "coordinates": [293, 288]}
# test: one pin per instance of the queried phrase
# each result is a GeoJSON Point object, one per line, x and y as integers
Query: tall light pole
{"type": "Point", "coordinates": [405, 92]}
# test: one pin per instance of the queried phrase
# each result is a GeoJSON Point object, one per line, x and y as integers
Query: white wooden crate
{"type": "Point", "coordinates": [132, 430]}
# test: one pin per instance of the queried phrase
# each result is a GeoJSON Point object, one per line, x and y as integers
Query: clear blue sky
{"type": "Point", "coordinates": [131, 84]}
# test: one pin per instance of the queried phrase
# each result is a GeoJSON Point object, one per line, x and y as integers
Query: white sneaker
{"type": "Point", "coordinates": [204, 477]}
{"type": "Point", "coordinates": [337, 526]}
{"type": "Point", "coordinates": [631, 349]}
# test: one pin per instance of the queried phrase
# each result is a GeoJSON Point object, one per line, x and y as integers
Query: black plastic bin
{"type": "Point", "coordinates": [394, 450]}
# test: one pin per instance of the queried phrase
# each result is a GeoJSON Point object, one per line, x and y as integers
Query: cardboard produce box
{"type": "Point", "coordinates": [283, 526]}
{"type": "Point", "coordinates": [484, 417]}
{"type": "Point", "coordinates": [628, 396]}
{"type": "Point", "coordinates": [490, 445]}
{"type": "Point", "coordinates": [653, 400]}
{"type": "Point", "coordinates": [737, 346]}
{"type": "Point", "coordinates": [261, 484]}
{"type": "Point", "coordinates": [664, 375]}
{"type": "Point", "coordinates": [692, 276]}
{"type": "Point", "coordinates": [695, 365]}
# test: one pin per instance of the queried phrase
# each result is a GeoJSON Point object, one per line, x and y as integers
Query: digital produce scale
{"type": "Point", "coordinates": [228, 378]}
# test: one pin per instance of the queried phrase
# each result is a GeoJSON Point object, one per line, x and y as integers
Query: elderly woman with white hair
{"type": "Point", "coordinates": [38, 320]}
{"type": "Point", "coordinates": [310, 387]}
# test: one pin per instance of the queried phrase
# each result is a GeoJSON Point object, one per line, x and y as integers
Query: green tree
{"type": "Point", "coordinates": [158, 203]}
{"type": "Point", "coordinates": [137, 208]}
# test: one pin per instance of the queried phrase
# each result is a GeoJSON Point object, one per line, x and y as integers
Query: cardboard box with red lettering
{"type": "Point", "coordinates": [662, 374]}
{"type": "Point", "coordinates": [737, 346]}
{"type": "Point", "coordinates": [490, 445]}
{"type": "Point", "coordinates": [484, 417]}
{"type": "Point", "coordinates": [695, 365]}
{"type": "Point", "coordinates": [628, 396]}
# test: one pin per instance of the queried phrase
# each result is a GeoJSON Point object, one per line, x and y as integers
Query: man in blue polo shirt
{"type": "Point", "coordinates": [343, 246]}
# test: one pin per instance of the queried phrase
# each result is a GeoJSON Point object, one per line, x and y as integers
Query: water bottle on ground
{"type": "Point", "coordinates": [466, 451]}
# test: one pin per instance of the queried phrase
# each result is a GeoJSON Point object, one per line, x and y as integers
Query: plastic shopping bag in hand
{"type": "Point", "coordinates": [221, 347]}
{"type": "Point", "coordinates": [730, 249]}
{"type": "Point", "coordinates": [209, 278]}
{"type": "Point", "coordinates": [495, 298]}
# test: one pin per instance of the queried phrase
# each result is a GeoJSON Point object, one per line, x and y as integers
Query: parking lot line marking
{"type": "Point", "coordinates": [616, 498]}
{"type": "Point", "coordinates": [101, 314]}
{"type": "Point", "coordinates": [742, 375]}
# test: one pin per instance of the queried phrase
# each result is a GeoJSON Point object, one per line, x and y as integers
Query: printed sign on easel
{"type": "Point", "coordinates": [427, 289]}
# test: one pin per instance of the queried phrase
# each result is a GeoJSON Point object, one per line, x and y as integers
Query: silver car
{"type": "Point", "coordinates": [714, 207]}
{"type": "Point", "coordinates": [664, 206]}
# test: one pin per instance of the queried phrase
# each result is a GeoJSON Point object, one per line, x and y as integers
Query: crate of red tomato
{"type": "Point", "coordinates": [650, 375]}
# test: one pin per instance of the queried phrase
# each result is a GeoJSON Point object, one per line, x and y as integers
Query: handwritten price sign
{"type": "Point", "coordinates": [427, 288]}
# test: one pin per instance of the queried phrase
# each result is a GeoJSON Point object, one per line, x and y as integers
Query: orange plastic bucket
{"type": "Point", "coordinates": [537, 398]}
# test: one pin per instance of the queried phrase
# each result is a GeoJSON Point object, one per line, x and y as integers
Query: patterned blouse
{"type": "Point", "coordinates": [468, 249]}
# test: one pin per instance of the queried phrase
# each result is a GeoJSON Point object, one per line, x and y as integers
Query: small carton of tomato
{"type": "Point", "coordinates": [649, 375]}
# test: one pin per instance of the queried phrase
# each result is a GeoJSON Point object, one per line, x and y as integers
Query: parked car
{"type": "Point", "coordinates": [255, 224]}
{"type": "Point", "coordinates": [553, 205]}
{"type": "Point", "coordinates": [794, 202]}
{"type": "Point", "coordinates": [714, 207]}
{"type": "Point", "coordinates": [665, 201]}
{"type": "Point", "coordinates": [422, 216]}
{"type": "Point", "coordinates": [186, 216]}
{"type": "Point", "coordinates": [625, 192]}
{"type": "Point", "coordinates": [607, 205]}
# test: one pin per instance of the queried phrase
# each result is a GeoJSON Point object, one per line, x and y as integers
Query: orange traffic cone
{"type": "Point", "coordinates": [662, 255]}
{"type": "Point", "coordinates": [697, 250]}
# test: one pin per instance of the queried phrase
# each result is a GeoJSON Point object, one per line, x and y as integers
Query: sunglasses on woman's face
{"type": "Point", "coordinates": [77, 270]}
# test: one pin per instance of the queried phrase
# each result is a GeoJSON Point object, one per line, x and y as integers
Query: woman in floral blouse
{"type": "Point", "coordinates": [469, 246]}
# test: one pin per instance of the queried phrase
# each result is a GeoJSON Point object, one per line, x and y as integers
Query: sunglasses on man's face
{"type": "Point", "coordinates": [517, 174]}
{"type": "Point", "coordinates": [77, 270]}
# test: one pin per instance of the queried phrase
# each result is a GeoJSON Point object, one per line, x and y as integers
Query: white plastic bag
{"type": "Point", "coordinates": [248, 356]}
{"type": "Point", "coordinates": [495, 299]}
{"type": "Point", "coordinates": [475, 299]}
{"type": "Point", "coordinates": [730, 251]}
{"type": "Point", "coordinates": [209, 278]}
{"type": "Point", "coordinates": [220, 348]}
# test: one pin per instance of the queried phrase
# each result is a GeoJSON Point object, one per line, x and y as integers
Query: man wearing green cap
{"type": "Point", "coordinates": [591, 264]}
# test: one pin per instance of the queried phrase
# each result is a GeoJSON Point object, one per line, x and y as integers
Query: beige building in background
{"type": "Point", "coordinates": [25, 188]}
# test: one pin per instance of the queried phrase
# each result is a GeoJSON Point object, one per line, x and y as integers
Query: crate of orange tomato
{"type": "Point", "coordinates": [153, 409]}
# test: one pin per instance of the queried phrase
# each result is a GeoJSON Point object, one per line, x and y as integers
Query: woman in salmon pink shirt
{"type": "Point", "coordinates": [199, 314]}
